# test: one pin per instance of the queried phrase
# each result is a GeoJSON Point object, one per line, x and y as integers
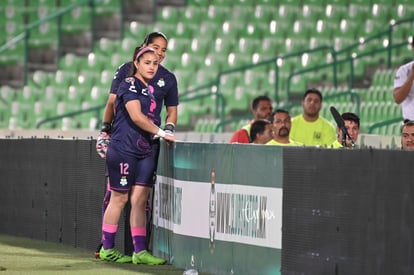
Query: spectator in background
{"type": "Point", "coordinates": [407, 135]}
{"type": "Point", "coordinates": [351, 122]}
{"type": "Point", "coordinates": [281, 124]}
{"type": "Point", "coordinates": [261, 131]}
{"type": "Point", "coordinates": [310, 128]}
{"type": "Point", "coordinates": [404, 88]}
{"type": "Point", "coordinates": [261, 109]}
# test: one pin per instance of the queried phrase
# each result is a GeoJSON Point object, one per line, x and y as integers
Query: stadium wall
{"type": "Point", "coordinates": [227, 209]}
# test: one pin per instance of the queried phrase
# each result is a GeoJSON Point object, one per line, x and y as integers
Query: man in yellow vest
{"type": "Point", "coordinates": [309, 128]}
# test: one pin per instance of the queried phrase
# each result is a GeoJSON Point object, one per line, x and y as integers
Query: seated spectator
{"type": "Point", "coordinates": [261, 109]}
{"type": "Point", "coordinates": [310, 128]}
{"type": "Point", "coordinates": [281, 124]}
{"type": "Point", "coordinates": [407, 135]}
{"type": "Point", "coordinates": [351, 122]}
{"type": "Point", "coordinates": [261, 131]}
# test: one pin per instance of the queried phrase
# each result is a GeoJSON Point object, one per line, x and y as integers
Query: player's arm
{"type": "Point", "coordinates": [171, 119]}
{"type": "Point", "coordinates": [400, 93]}
{"type": "Point", "coordinates": [108, 115]}
{"type": "Point", "coordinates": [133, 108]}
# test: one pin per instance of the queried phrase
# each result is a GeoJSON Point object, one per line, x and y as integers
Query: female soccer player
{"type": "Point", "coordinates": [165, 92]}
{"type": "Point", "coordinates": [129, 159]}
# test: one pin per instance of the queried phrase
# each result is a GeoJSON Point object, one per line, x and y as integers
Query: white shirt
{"type": "Point", "coordinates": [401, 76]}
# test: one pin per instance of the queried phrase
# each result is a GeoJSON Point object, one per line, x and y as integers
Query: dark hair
{"type": "Point", "coordinates": [258, 127]}
{"type": "Point", "coordinates": [133, 69]}
{"type": "Point", "coordinates": [272, 117]}
{"type": "Point", "coordinates": [151, 36]}
{"type": "Point", "coordinates": [407, 122]}
{"type": "Point", "coordinates": [351, 116]}
{"type": "Point", "coordinates": [313, 91]}
{"type": "Point", "coordinates": [256, 100]}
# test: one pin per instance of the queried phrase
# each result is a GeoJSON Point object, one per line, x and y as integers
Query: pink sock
{"type": "Point", "coordinates": [138, 238]}
{"type": "Point", "coordinates": [108, 235]}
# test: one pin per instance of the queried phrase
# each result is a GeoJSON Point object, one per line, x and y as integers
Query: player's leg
{"type": "Point", "coordinates": [105, 203]}
{"type": "Point", "coordinates": [139, 199]}
{"type": "Point", "coordinates": [120, 182]}
{"type": "Point", "coordinates": [150, 202]}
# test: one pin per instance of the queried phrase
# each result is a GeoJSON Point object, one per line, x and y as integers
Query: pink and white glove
{"type": "Point", "coordinates": [102, 144]}
{"type": "Point", "coordinates": [103, 140]}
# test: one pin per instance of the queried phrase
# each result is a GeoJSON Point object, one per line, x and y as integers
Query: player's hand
{"type": "Point", "coordinates": [102, 144]}
{"type": "Point", "coordinates": [169, 128]}
{"type": "Point", "coordinates": [103, 139]}
{"type": "Point", "coordinates": [169, 137]}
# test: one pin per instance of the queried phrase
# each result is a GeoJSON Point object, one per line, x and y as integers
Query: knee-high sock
{"type": "Point", "coordinates": [138, 238]}
{"type": "Point", "coordinates": [108, 235]}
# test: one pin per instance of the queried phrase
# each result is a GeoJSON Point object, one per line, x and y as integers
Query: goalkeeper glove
{"type": "Point", "coordinates": [103, 139]}
{"type": "Point", "coordinates": [169, 128]}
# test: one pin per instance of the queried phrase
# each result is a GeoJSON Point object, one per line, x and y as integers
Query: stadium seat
{"type": "Point", "coordinates": [107, 8]}
{"type": "Point", "coordinates": [38, 10]}
{"type": "Point", "coordinates": [77, 20]}
{"type": "Point", "coordinates": [44, 36]}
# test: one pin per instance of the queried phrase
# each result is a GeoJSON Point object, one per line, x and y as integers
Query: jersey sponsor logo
{"type": "Point", "coordinates": [161, 82]}
{"type": "Point", "coordinates": [132, 84]}
{"type": "Point", "coordinates": [153, 105]}
{"type": "Point", "coordinates": [132, 88]}
{"type": "Point", "coordinates": [144, 91]}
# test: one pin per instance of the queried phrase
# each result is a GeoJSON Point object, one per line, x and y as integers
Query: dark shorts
{"type": "Point", "coordinates": [125, 171]}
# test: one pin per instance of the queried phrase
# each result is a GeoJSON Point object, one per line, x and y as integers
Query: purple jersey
{"type": "Point", "coordinates": [164, 83]}
{"type": "Point", "coordinates": [126, 136]}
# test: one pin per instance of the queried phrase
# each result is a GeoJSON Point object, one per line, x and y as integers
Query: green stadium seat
{"type": "Point", "coordinates": [289, 10]}
{"type": "Point", "coordinates": [198, 3]}
{"type": "Point", "coordinates": [184, 115]}
{"type": "Point", "coordinates": [106, 78]}
{"type": "Point", "coordinates": [106, 8]}
{"type": "Point", "coordinates": [38, 10]}
{"type": "Point", "coordinates": [191, 62]}
{"type": "Point", "coordinates": [218, 13]}
{"type": "Point", "coordinates": [177, 46]}
{"type": "Point", "coordinates": [180, 30]}
{"type": "Point", "coordinates": [237, 102]}
{"type": "Point", "coordinates": [77, 20]}
{"type": "Point", "coordinates": [213, 62]}
{"type": "Point", "coordinates": [137, 30]}
{"type": "Point", "coordinates": [44, 36]}
{"type": "Point", "coordinates": [193, 16]}
{"type": "Point", "coordinates": [312, 11]}
{"type": "Point", "coordinates": [267, 2]}
{"type": "Point", "coordinates": [230, 29]}
{"type": "Point", "coordinates": [253, 31]}
{"type": "Point", "coordinates": [263, 14]}
{"type": "Point", "coordinates": [207, 30]}
{"type": "Point", "coordinates": [98, 95]}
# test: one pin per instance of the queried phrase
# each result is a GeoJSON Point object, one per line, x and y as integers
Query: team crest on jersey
{"type": "Point", "coordinates": [129, 80]}
{"type": "Point", "coordinates": [123, 181]}
{"type": "Point", "coordinates": [161, 82]}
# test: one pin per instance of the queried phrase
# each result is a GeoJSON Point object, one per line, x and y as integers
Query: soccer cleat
{"type": "Point", "coordinates": [114, 255]}
{"type": "Point", "coordinates": [144, 257]}
{"type": "Point", "coordinates": [98, 249]}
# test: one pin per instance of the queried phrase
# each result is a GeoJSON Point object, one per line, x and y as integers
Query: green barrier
{"type": "Point", "coordinates": [218, 207]}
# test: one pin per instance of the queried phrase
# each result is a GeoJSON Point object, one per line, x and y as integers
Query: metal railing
{"type": "Point", "coordinates": [334, 65]}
